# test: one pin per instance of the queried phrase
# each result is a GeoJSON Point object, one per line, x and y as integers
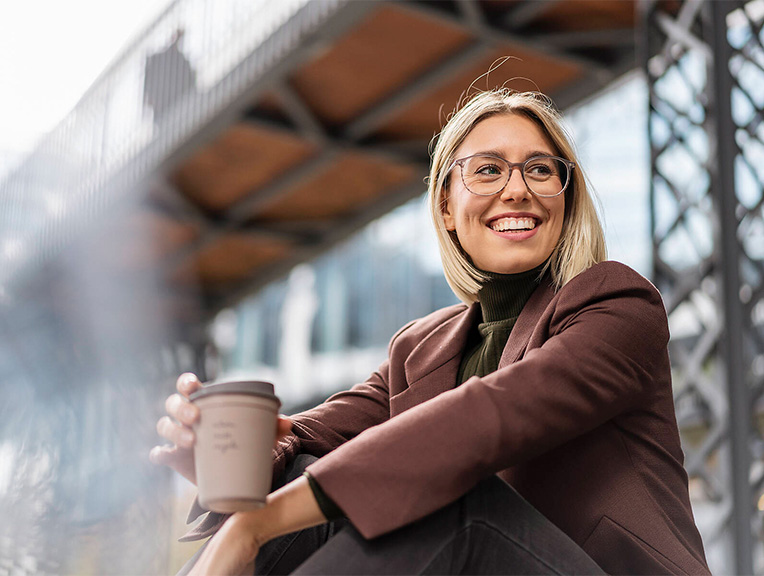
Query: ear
{"type": "Point", "coordinates": [448, 216]}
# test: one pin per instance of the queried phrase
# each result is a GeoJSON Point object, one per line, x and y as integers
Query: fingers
{"type": "Point", "coordinates": [182, 410]}
{"type": "Point", "coordinates": [283, 427]}
{"type": "Point", "coordinates": [176, 428]}
{"type": "Point", "coordinates": [179, 459]}
{"type": "Point", "coordinates": [176, 433]}
{"type": "Point", "coordinates": [187, 384]}
{"type": "Point", "coordinates": [163, 455]}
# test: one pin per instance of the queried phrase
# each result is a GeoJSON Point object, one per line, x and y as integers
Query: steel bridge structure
{"type": "Point", "coordinates": [188, 175]}
{"type": "Point", "coordinates": [705, 70]}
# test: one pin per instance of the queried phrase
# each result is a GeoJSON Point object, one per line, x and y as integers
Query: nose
{"type": "Point", "coordinates": [516, 189]}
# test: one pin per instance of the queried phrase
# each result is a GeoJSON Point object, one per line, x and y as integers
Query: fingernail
{"type": "Point", "coordinates": [187, 437]}
{"type": "Point", "coordinates": [189, 413]}
{"type": "Point", "coordinates": [155, 456]}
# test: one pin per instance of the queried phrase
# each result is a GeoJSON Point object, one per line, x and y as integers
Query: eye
{"type": "Point", "coordinates": [488, 170]}
{"type": "Point", "coordinates": [540, 168]}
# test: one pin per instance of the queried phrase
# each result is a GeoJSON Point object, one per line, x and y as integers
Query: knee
{"type": "Point", "coordinates": [294, 470]}
{"type": "Point", "coordinates": [495, 500]}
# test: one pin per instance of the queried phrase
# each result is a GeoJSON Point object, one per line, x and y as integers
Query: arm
{"type": "Point", "coordinates": [316, 432]}
{"type": "Point", "coordinates": [236, 544]}
{"type": "Point", "coordinates": [602, 353]}
{"type": "Point", "coordinates": [342, 417]}
{"type": "Point", "coordinates": [346, 414]}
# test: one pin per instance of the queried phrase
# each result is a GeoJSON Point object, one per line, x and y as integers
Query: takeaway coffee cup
{"type": "Point", "coordinates": [234, 443]}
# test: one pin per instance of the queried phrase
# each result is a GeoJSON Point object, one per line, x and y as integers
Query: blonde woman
{"type": "Point", "coordinates": [530, 429]}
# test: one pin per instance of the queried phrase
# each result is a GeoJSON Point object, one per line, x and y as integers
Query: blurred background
{"type": "Point", "coordinates": [235, 187]}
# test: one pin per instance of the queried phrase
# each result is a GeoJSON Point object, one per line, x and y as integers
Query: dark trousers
{"type": "Point", "coordinates": [490, 530]}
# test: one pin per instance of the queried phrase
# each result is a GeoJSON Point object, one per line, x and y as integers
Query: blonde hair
{"type": "Point", "coordinates": [581, 243]}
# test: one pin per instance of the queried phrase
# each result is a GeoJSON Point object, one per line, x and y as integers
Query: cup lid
{"type": "Point", "coordinates": [251, 387]}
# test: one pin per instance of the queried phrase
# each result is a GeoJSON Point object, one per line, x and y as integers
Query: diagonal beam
{"type": "Point", "coordinates": [471, 12]}
{"type": "Point", "coordinates": [488, 36]}
{"type": "Point", "coordinates": [301, 115]}
{"type": "Point", "coordinates": [676, 33]}
{"type": "Point", "coordinates": [493, 35]}
{"type": "Point", "coordinates": [341, 229]}
{"type": "Point", "coordinates": [392, 152]}
{"type": "Point", "coordinates": [262, 196]}
{"type": "Point", "coordinates": [611, 37]}
{"type": "Point", "coordinates": [173, 204]}
{"type": "Point", "coordinates": [343, 20]}
{"type": "Point", "coordinates": [588, 84]}
{"type": "Point", "coordinates": [527, 12]}
{"type": "Point", "coordinates": [235, 218]}
{"type": "Point", "coordinates": [370, 120]}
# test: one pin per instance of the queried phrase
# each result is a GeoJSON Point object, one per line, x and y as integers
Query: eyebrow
{"type": "Point", "coordinates": [499, 153]}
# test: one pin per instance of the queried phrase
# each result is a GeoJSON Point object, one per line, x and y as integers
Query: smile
{"type": "Point", "coordinates": [512, 224]}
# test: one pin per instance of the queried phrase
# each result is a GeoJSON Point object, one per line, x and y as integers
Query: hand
{"type": "Point", "coordinates": [177, 427]}
{"type": "Point", "coordinates": [232, 550]}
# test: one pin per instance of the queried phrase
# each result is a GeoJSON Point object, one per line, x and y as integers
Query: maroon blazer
{"type": "Point", "coordinates": [579, 418]}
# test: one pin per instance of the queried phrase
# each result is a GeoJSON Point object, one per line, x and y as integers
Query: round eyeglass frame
{"type": "Point", "coordinates": [512, 165]}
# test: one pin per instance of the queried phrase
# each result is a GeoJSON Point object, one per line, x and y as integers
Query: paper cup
{"type": "Point", "coordinates": [235, 435]}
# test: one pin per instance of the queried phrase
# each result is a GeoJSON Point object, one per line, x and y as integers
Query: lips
{"type": "Point", "coordinates": [520, 223]}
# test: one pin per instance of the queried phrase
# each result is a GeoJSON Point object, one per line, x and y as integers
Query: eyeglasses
{"type": "Point", "coordinates": [486, 175]}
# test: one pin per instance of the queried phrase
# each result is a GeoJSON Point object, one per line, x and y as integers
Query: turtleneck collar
{"type": "Point", "coordinates": [503, 296]}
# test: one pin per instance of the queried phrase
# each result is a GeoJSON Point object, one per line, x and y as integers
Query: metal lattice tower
{"type": "Point", "coordinates": [705, 70]}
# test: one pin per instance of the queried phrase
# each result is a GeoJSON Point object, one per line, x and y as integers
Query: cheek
{"type": "Point", "coordinates": [556, 211]}
{"type": "Point", "coordinates": [555, 207]}
{"type": "Point", "coordinates": [457, 210]}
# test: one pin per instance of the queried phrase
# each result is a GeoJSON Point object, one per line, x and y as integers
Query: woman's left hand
{"type": "Point", "coordinates": [232, 550]}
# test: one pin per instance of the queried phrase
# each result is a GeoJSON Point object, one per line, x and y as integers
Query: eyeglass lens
{"type": "Point", "coordinates": [486, 175]}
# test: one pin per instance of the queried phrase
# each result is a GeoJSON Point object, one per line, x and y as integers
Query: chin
{"type": "Point", "coordinates": [507, 269]}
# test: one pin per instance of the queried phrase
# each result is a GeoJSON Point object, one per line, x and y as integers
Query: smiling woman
{"type": "Point", "coordinates": [527, 125]}
{"type": "Point", "coordinates": [514, 229]}
{"type": "Point", "coordinates": [530, 429]}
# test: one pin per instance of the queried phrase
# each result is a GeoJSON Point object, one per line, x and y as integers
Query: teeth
{"type": "Point", "coordinates": [506, 224]}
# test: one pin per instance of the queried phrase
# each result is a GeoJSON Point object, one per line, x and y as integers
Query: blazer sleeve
{"type": "Point", "coordinates": [342, 417]}
{"type": "Point", "coordinates": [317, 431]}
{"type": "Point", "coordinates": [606, 336]}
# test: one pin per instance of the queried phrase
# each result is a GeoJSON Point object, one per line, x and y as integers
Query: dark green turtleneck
{"type": "Point", "coordinates": [501, 298]}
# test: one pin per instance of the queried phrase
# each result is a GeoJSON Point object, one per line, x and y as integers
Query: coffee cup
{"type": "Point", "coordinates": [235, 435]}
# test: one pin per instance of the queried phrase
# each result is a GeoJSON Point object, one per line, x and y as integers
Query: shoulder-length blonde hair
{"type": "Point", "coordinates": [582, 242]}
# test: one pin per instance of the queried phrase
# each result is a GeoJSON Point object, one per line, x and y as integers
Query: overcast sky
{"type": "Point", "coordinates": [50, 53]}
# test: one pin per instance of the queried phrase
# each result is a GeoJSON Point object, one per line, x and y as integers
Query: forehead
{"type": "Point", "coordinates": [509, 134]}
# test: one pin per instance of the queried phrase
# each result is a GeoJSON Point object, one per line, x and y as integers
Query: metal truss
{"type": "Point", "coordinates": [357, 135]}
{"type": "Point", "coordinates": [705, 70]}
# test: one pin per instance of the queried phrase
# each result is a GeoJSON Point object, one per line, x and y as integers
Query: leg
{"type": "Point", "coordinates": [491, 530]}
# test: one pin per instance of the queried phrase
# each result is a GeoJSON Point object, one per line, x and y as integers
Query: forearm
{"type": "Point", "coordinates": [233, 548]}
{"type": "Point", "coordinates": [290, 508]}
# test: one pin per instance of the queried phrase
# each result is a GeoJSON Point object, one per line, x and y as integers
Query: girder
{"type": "Point", "coordinates": [704, 70]}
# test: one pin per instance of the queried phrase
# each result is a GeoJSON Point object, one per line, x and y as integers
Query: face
{"type": "Point", "coordinates": [482, 223]}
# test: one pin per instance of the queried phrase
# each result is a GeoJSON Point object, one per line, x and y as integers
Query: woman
{"type": "Point", "coordinates": [530, 430]}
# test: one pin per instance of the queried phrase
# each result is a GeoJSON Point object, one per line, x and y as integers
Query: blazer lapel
{"type": "Point", "coordinates": [526, 322]}
{"type": "Point", "coordinates": [432, 366]}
